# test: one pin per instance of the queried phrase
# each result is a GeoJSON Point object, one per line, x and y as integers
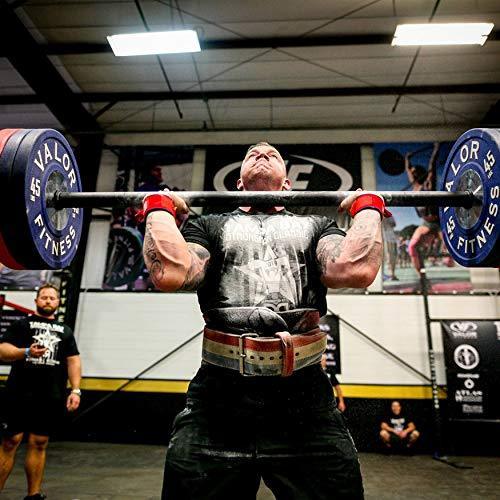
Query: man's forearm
{"type": "Point", "coordinates": [165, 252]}
{"type": "Point", "coordinates": [9, 352]}
{"type": "Point", "coordinates": [339, 393]}
{"type": "Point", "coordinates": [357, 257]}
{"type": "Point", "coordinates": [387, 427]}
{"type": "Point", "coordinates": [363, 241]}
{"type": "Point", "coordinates": [74, 371]}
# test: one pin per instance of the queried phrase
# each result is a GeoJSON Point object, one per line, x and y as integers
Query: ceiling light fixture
{"type": "Point", "coordinates": [159, 42]}
{"type": "Point", "coordinates": [442, 34]}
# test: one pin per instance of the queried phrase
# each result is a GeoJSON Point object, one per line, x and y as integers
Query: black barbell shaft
{"type": "Point", "coordinates": [285, 198]}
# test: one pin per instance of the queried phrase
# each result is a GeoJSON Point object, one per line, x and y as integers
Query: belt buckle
{"type": "Point", "coordinates": [241, 341]}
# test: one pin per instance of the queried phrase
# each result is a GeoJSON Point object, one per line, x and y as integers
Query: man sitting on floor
{"type": "Point", "coordinates": [397, 429]}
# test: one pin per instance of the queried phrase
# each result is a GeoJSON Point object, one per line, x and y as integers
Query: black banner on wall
{"type": "Point", "coordinates": [330, 325]}
{"type": "Point", "coordinates": [310, 167]}
{"type": "Point", "coordinates": [472, 358]}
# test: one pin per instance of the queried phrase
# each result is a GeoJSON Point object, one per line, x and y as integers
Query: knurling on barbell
{"type": "Point", "coordinates": [38, 166]}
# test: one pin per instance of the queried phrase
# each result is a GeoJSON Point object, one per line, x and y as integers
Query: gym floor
{"type": "Point", "coordinates": [101, 471]}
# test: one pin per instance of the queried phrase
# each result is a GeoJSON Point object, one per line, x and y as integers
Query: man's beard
{"type": "Point", "coordinates": [45, 311]}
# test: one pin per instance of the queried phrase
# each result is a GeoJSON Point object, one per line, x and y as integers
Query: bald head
{"type": "Point", "coordinates": [263, 169]}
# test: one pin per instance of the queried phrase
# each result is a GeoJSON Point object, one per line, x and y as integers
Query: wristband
{"type": "Point", "coordinates": [369, 201]}
{"type": "Point", "coordinates": [156, 201]}
{"type": "Point", "coordinates": [27, 353]}
{"type": "Point", "coordinates": [78, 392]}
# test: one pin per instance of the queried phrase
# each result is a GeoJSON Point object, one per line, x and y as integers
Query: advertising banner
{"type": "Point", "coordinates": [472, 358]}
{"type": "Point", "coordinates": [141, 169]}
{"type": "Point", "coordinates": [412, 237]}
{"type": "Point", "coordinates": [330, 325]}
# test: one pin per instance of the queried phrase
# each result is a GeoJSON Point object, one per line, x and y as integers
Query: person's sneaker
{"type": "Point", "coordinates": [36, 496]}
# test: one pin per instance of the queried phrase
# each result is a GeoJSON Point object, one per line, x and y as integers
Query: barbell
{"type": "Point", "coordinates": [41, 195]}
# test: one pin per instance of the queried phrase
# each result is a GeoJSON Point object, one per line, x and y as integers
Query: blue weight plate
{"type": "Point", "coordinates": [46, 238]}
{"type": "Point", "coordinates": [472, 235]}
{"type": "Point", "coordinates": [124, 262]}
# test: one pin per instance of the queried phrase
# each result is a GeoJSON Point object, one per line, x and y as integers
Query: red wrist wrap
{"type": "Point", "coordinates": [157, 201]}
{"type": "Point", "coordinates": [371, 201]}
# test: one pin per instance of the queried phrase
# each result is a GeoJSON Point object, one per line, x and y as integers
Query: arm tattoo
{"type": "Point", "coordinates": [363, 241]}
{"type": "Point", "coordinates": [151, 256]}
{"type": "Point", "coordinates": [362, 245]}
{"type": "Point", "coordinates": [200, 257]}
{"type": "Point", "coordinates": [328, 250]}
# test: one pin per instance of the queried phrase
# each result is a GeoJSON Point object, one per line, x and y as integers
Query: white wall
{"type": "Point", "coordinates": [120, 334]}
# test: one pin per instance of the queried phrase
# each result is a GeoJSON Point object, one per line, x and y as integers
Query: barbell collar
{"type": "Point", "coordinates": [465, 199]}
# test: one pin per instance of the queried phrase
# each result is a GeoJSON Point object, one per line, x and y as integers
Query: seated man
{"type": "Point", "coordinates": [397, 430]}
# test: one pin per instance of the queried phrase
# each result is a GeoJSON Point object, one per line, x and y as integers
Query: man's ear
{"type": "Point", "coordinates": [287, 185]}
{"type": "Point", "coordinates": [239, 184]}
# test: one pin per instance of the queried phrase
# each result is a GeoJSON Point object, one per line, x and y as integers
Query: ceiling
{"type": "Point", "coordinates": [270, 64]}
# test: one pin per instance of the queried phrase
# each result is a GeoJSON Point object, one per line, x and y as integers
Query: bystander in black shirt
{"type": "Point", "coordinates": [45, 376]}
{"type": "Point", "coordinates": [397, 422]}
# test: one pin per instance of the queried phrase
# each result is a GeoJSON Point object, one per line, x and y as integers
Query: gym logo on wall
{"type": "Point", "coordinates": [466, 357]}
{"type": "Point", "coordinates": [464, 329]}
{"type": "Point", "coordinates": [469, 393]}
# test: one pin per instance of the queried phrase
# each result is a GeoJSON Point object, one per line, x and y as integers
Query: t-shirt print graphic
{"type": "Point", "coordinates": [265, 260]}
{"type": "Point", "coordinates": [45, 336]}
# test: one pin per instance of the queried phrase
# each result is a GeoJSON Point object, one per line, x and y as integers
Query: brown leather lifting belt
{"type": "Point", "coordinates": [260, 356]}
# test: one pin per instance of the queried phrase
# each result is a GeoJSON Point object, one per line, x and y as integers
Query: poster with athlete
{"type": "Point", "coordinates": [412, 237]}
{"type": "Point", "coordinates": [141, 169]}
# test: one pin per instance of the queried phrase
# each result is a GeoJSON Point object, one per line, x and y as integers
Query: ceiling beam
{"type": "Point", "coordinates": [88, 97]}
{"type": "Point", "coordinates": [37, 70]}
{"type": "Point", "coordinates": [241, 43]}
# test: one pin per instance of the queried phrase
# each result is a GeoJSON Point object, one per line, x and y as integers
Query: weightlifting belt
{"type": "Point", "coordinates": [254, 355]}
{"type": "Point", "coordinates": [273, 351]}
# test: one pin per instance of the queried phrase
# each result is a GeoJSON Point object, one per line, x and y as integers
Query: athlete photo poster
{"type": "Point", "coordinates": [141, 169]}
{"type": "Point", "coordinates": [412, 236]}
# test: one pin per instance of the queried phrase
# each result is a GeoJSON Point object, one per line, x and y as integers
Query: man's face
{"type": "Point", "coordinates": [263, 169]}
{"type": "Point", "coordinates": [396, 408]}
{"type": "Point", "coordinates": [47, 302]}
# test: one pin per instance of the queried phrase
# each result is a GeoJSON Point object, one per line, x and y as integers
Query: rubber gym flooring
{"type": "Point", "coordinates": [101, 471]}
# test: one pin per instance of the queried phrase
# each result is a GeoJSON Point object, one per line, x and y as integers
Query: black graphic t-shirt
{"type": "Point", "coordinates": [264, 260]}
{"type": "Point", "coordinates": [397, 422]}
{"type": "Point", "coordinates": [45, 376]}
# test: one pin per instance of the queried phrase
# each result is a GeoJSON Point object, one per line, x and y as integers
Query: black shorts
{"type": "Point", "coordinates": [32, 415]}
{"type": "Point", "coordinates": [301, 451]}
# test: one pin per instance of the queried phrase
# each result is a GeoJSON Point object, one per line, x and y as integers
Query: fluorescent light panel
{"type": "Point", "coordinates": [442, 34]}
{"type": "Point", "coordinates": [154, 42]}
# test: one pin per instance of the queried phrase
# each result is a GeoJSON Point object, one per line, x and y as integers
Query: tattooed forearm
{"type": "Point", "coordinates": [364, 238]}
{"type": "Point", "coordinates": [199, 263]}
{"type": "Point", "coordinates": [352, 260]}
{"type": "Point", "coordinates": [151, 256]}
{"type": "Point", "coordinates": [165, 252]}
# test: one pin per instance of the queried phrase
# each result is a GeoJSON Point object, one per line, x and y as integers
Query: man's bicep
{"type": "Point", "coordinates": [328, 250]}
{"type": "Point", "coordinates": [200, 257]}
